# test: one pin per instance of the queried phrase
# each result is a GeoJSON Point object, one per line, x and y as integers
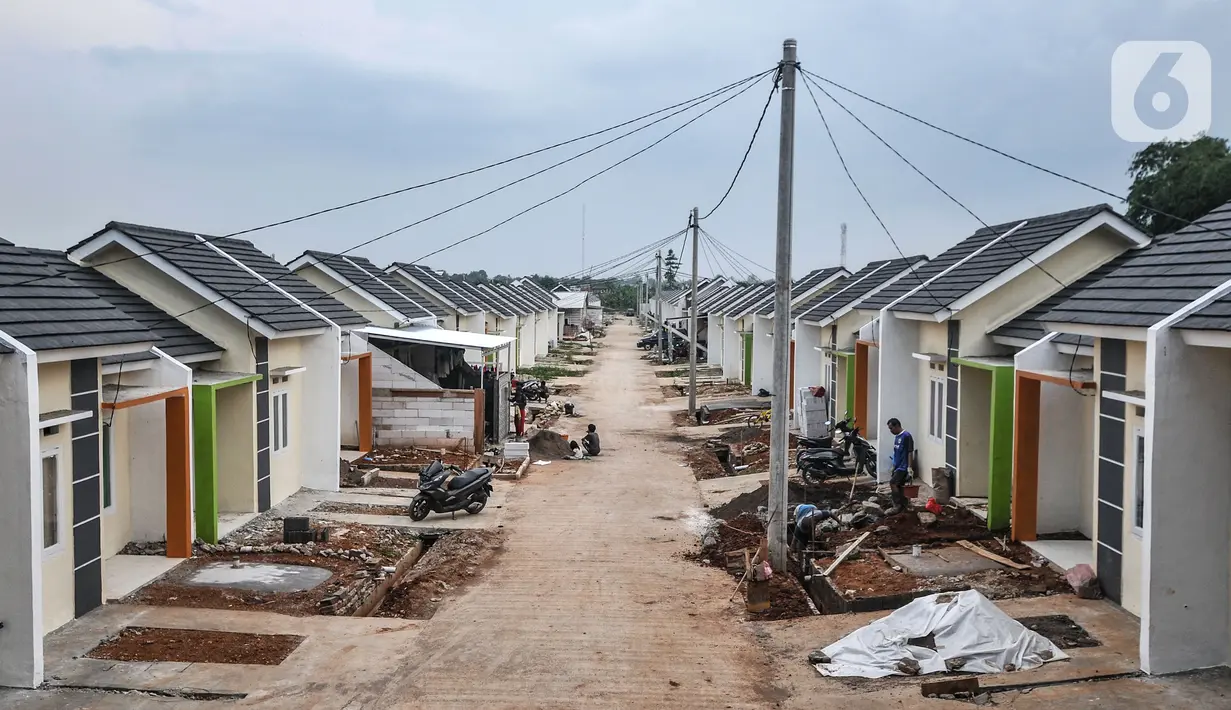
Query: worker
{"type": "Point", "coordinates": [589, 442]}
{"type": "Point", "coordinates": [519, 401]}
{"type": "Point", "coordinates": [903, 450]}
{"type": "Point", "coordinates": [807, 517]}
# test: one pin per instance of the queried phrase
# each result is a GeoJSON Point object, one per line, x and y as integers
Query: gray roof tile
{"type": "Point", "coordinates": [175, 338]}
{"type": "Point", "coordinates": [863, 282]}
{"type": "Point", "coordinates": [442, 286]}
{"type": "Point", "coordinates": [54, 313]}
{"type": "Point", "coordinates": [364, 275]}
{"type": "Point", "coordinates": [294, 284]}
{"type": "Point", "coordinates": [802, 286]}
{"type": "Point", "coordinates": [1037, 233]}
{"type": "Point", "coordinates": [1146, 285]}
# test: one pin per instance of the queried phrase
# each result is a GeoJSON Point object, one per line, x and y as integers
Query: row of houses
{"type": "Point", "coordinates": [161, 385]}
{"type": "Point", "coordinates": [1066, 374]}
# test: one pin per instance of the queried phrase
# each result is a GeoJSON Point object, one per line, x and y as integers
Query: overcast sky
{"type": "Point", "coordinates": [215, 116]}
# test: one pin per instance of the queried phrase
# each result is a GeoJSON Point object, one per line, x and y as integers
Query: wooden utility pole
{"type": "Point", "coordinates": [692, 319]}
{"type": "Point", "coordinates": [781, 401]}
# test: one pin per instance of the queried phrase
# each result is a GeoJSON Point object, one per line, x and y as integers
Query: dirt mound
{"type": "Point", "coordinates": [548, 445]}
{"type": "Point", "coordinates": [444, 570]}
{"type": "Point", "coordinates": [787, 599]}
{"type": "Point", "coordinates": [823, 496]}
{"type": "Point", "coordinates": [951, 525]}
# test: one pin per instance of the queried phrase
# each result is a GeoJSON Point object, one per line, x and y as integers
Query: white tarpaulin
{"type": "Point", "coordinates": [965, 625]}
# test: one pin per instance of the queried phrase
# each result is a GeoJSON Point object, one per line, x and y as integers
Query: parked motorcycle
{"type": "Point", "coordinates": [440, 493]}
{"type": "Point", "coordinates": [536, 390]}
{"type": "Point", "coordinates": [820, 463]}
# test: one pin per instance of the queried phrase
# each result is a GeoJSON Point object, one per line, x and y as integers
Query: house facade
{"type": "Point", "coordinates": [802, 291]}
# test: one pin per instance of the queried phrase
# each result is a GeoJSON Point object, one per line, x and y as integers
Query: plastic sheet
{"type": "Point", "coordinates": [964, 625]}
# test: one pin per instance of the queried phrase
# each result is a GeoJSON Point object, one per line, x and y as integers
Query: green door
{"type": "Point", "coordinates": [748, 359]}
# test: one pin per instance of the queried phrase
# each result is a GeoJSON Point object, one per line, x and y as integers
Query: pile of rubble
{"type": "Point", "coordinates": [309, 549]}
{"type": "Point", "coordinates": [149, 549]}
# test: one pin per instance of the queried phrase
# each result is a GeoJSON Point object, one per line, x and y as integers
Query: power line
{"type": "Point", "coordinates": [705, 252]}
{"type": "Point", "coordinates": [772, 90]}
{"type": "Point", "coordinates": [1014, 158]}
{"type": "Point", "coordinates": [690, 103]}
{"type": "Point", "coordinates": [742, 270]}
{"type": "Point", "coordinates": [741, 256]}
{"type": "Point", "coordinates": [862, 196]}
{"type": "Point", "coordinates": [639, 250]}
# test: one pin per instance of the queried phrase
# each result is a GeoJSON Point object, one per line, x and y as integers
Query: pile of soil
{"type": "Point", "coordinates": [570, 390]}
{"type": "Point", "coordinates": [722, 416]}
{"type": "Point", "coordinates": [871, 576]}
{"type": "Point", "coordinates": [951, 525]}
{"type": "Point", "coordinates": [1060, 630]}
{"type": "Point", "coordinates": [360, 508]}
{"type": "Point", "coordinates": [704, 463]}
{"type": "Point", "coordinates": [170, 590]}
{"type": "Point", "coordinates": [826, 495]}
{"type": "Point", "coordinates": [448, 567]}
{"type": "Point", "coordinates": [743, 531]}
{"type": "Point", "coordinates": [547, 445]}
{"type": "Point", "coordinates": [413, 456]}
{"type": "Point", "coordinates": [148, 644]}
{"type": "Point", "coordinates": [788, 600]}
{"type": "Point", "coordinates": [394, 482]}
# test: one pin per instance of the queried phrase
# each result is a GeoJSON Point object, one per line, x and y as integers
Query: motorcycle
{"type": "Point", "coordinates": [536, 390]}
{"type": "Point", "coordinates": [438, 493]}
{"type": "Point", "coordinates": [817, 464]}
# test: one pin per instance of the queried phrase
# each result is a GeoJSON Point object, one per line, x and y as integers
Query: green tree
{"type": "Point", "coordinates": [1186, 179]}
{"type": "Point", "coordinates": [671, 267]}
{"type": "Point", "coordinates": [476, 277]}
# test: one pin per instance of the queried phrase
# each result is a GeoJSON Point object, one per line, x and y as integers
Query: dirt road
{"type": "Point", "coordinates": [590, 604]}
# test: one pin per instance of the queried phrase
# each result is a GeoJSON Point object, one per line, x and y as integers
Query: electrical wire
{"type": "Point", "coordinates": [690, 103]}
{"type": "Point", "coordinates": [705, 253]}
{"type": "Point", "coordinates": [729, 250]}
{"type": "Point", "coordinates": [740, 270]}
{"type": "Point", "coordinates": [846, 169]}
{"type": "Point", "coordinates": [619, 259]}
{"type": "Point", "coordinates": [772, 90]}
{"type": "Point", "coordinates": [1014, 158]}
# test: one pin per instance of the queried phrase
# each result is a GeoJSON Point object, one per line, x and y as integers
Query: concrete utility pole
{"type": "Point", "coordinates": [658, 302]}
{"type": "Point", "coordinates": [781, 401]}
{"type": "Point", "coordinates": [692, 320]}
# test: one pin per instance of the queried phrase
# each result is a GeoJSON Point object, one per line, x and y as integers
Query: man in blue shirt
{"type": "Point", "coordinates": [903, 448]}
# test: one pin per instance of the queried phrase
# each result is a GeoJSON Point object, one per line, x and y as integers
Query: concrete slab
{"type": "Point", "coordinates": [259, 576]}
{"type": "Point", "coordinates": [125, 574]}
{"type": "Point", "coordinates": [305, 501]}
{"type": "Point", "coordinates": [1065, 554]}
{"type": "Point", "coordinates": [720, 491]}
{"type": "Point", "coordinates": [350, 456]}
{"type": "Point", "coordinates": [948, 561]}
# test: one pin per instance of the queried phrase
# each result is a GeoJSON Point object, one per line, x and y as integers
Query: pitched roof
{"type": "Point", "coordinates": [1029, 325]}
{"type": "Point", "coordinates": [203, 263]}
{"type": "Point", "coordinates": [801, 287]}
{"type": "Point", "coordinates": [514, 295]}
{"type": "Point", "coordinates": [1035, 234]}
{"type": "Point", "coordinates": [501, 299]}
{"type": "Point", "coordinates": [442, 287]}
{"type": "Point", "coordinates": [751, 300]}
{"type": "Point", "coordinates": [731, 296]}
{"type": "Point", "coordinates": [1146, 285]}
{"type": "Point", "coordinates": [545, 296]}
{"type": "Point", "coordinates": [571, 300]}
{"type": "Point", "coordinates": [862, 283]}
{"type": "Point", "coordinates": [176, 338]}
{"type": "Point", "coordinates": [486, 300]}
{"type": "Point", "coordinates": [55, 313]}
{"type": "Point", "coordinates": [363, 274]}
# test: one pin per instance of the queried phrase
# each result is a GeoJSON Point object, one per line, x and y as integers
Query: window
{"type": "Point", "coordinates": [51, 501]}
{"type": "Point", "coordinates": [936, 408]}
{"type": "Point", "coordinates": [1139, 487]}
{"type": "Point", "coordinates": [280, 433]}
{"type": "Point", "coordinates": [108, 502]}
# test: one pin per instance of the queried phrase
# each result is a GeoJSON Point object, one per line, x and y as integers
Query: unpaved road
{"type": "Point", "coordinates": [590, 604]}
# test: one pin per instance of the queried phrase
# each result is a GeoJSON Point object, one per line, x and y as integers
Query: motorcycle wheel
{"type": "Point", "coordinates": [477, 504]}
{"type": "Point", "coordinates": [810, 478]}
{"type": "Point", "coordinates": [419, 508]}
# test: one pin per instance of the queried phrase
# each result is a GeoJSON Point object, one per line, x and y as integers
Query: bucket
{"type": "Point", "coordinates": [564, 436]}
{"type": "Point", "coordinates": [911, 491]}
{"type": "Point", "coordinates": [916, 550]}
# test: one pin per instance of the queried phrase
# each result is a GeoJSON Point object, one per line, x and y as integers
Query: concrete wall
{"type": "Point", "coordinates": [810, 362]}
{"type": "Point", "coordinates": [732, 350]}
{"type": "Point", "coordinates": [440, 419]}
{"type": "Point", "coordinates": [1066, 478]}
{"type": "Point", "coordinates": [58, 602]}
{"type": "Point", "coordinates": [21, 522]}
{"type": "Point", "coordinates": [236, 416]}
{"type": "Point", "coordinates": [318, 424]}
{"type": "Point", "coordinates": [357, 303]}
{"type": "Point", "coordinates": [1186, 594]}
{"type": "Point", "coordinates": [715, 338]}
{"type": "Point", "coordinates": [918, 337]}
{"type": "Point", "coordinates": [389, 373]}
{"type": "Point", "coordinates": [1033, 286]}
{"type": "Point", "coordinates": [286, 466]}
{"type": "Point", "coordinates": [898, 395]}
{"type": "Point", "coordinates": [974, 422]}
{"type": "Point", "coordinates": [763, 355]}
{"type": "Point", "coordinates": [349, 402]}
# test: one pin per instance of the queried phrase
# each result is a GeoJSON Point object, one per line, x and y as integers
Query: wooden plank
{"type": "Point", "coordinates": [846, 553]}
{"type": "Point", "coordinates": [991, 555]}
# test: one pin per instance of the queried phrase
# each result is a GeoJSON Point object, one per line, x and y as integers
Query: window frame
{"type": "Point", "coordinates": [279, 421]}
{"type": "Point", "coordinates": [59, 545]}
{"type": "Point", "coordinates": [107, 466]}
{"type": "Point", "coordinates": [936, 408]}
{"type": "Point", "coordinates": [1139, 473]}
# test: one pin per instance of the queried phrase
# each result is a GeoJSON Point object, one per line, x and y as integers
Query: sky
{"type": "Point", "coordinates": [221, 115]}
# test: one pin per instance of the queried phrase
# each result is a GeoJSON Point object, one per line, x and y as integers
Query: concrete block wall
{"type": "Point", "coordinates": [440, 419]}
{"type": "Point", "coordinates": [390, 373]}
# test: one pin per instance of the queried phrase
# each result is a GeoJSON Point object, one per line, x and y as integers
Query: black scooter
{"type": "Point", "coordinates": [467, 491]}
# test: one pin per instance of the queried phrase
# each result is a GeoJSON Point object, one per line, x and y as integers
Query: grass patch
{"type": "Point", "coordinates": [548, 372]}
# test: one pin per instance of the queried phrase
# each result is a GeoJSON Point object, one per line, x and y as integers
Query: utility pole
{"type": "Point", "coordinates": [583, 236]}
{"type": "Point", "coordinates": [692, 319]}
{"type": "Point", "coordinates": [658, 302]}
{"type": "Point", "coordinates": [780, 403]}
{"type": "Point", "coordinates": [842, 239]}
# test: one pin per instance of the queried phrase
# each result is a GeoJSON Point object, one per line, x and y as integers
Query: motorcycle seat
{"type": "Point", "coordinates": [465, 479]}
{"type": "Point", "coordinates": [817, 442]}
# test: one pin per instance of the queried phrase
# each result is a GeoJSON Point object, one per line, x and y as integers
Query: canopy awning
{"type": "Point", "coordinates": [441, 337]}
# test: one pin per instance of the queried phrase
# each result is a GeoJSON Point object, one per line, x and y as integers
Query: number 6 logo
{"type": "Point", "coordinates": [1160, 91]}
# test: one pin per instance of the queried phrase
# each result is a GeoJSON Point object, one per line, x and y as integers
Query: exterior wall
{"type": "Point", "coordinates": [974, 423]}
{"type": "Point", "coordinates": [809, 362]}
{"type": "Point", "coordinates": [1032, 287]}
{"type": "Point", "coordinates": [21, 521]}
{"type": "Point", "coordinates": [378, 315]}
{"type": "Point", "coordinates": [763, 356]}
{"type": "Point", "coordinates": [236, 436]}
{"type": "Point", "coordinates": [58, 602]}
{"type": "Point", "coordinates": [1066, 478]}
{"type": "Point", "coordinates": [929, 338]}
{"type": "Point", "coordinates": [716, 340]}
{"type": "Point", "coordinates": [117, 519]}
{"type": "Point", "coordinates": [897, 376]}
{"type": "Point", "coordinates": [286, 465]}
{"type": "Point", "coordinates": [439, 419]}
{"type": "Point", "coordinates": [732, 350]}
{"type": "Point", "coordinates": [319, 423]}
{"type": "Point", "coordinates": [849, 325]}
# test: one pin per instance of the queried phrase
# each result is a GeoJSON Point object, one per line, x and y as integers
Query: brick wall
{"type": "Point", "coordinates": [431, 419]}
{"type": "Point", "coordinates": [390, 373]}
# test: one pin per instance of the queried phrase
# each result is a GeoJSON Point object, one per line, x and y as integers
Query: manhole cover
{"type": "Point", "coordinates": [259, 576]}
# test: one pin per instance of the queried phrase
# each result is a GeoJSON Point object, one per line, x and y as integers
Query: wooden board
{"type": "Point", "coordinates": [845, 553]}
{"type": "Point", "coordinates": [991, 555]}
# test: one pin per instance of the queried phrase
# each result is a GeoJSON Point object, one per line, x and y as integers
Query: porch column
{"type": "Point", "coordinates": [205, 460]}
{"type": "Point", "coordinates": [1000, 464]}
{"type": "Point", "coordinates": [861, 386]}
{"type": "Point", "coordinates": [365, 403]}
{"type": "Point", "coordinates": [848, 365]}
{"type": "Point", "coordinates": [179, 478]}
{"type": "Point", "coordinates": [1025, 474]}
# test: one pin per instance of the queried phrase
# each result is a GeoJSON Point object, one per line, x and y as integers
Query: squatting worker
{"type": "Point", "coordinates": [807, 517]}
{"type": "Point", "coordinates": [589, 442]}
{"type": "Point", "coordinates": [903, 448]}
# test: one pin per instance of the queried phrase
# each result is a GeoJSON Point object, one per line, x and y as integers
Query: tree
{"type": "Point", "coordinates": [671, 266]}
{"type": "Point", "coordinates": [475, 277]}
{"type": "Point", "coordinates": [1187, 179]}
